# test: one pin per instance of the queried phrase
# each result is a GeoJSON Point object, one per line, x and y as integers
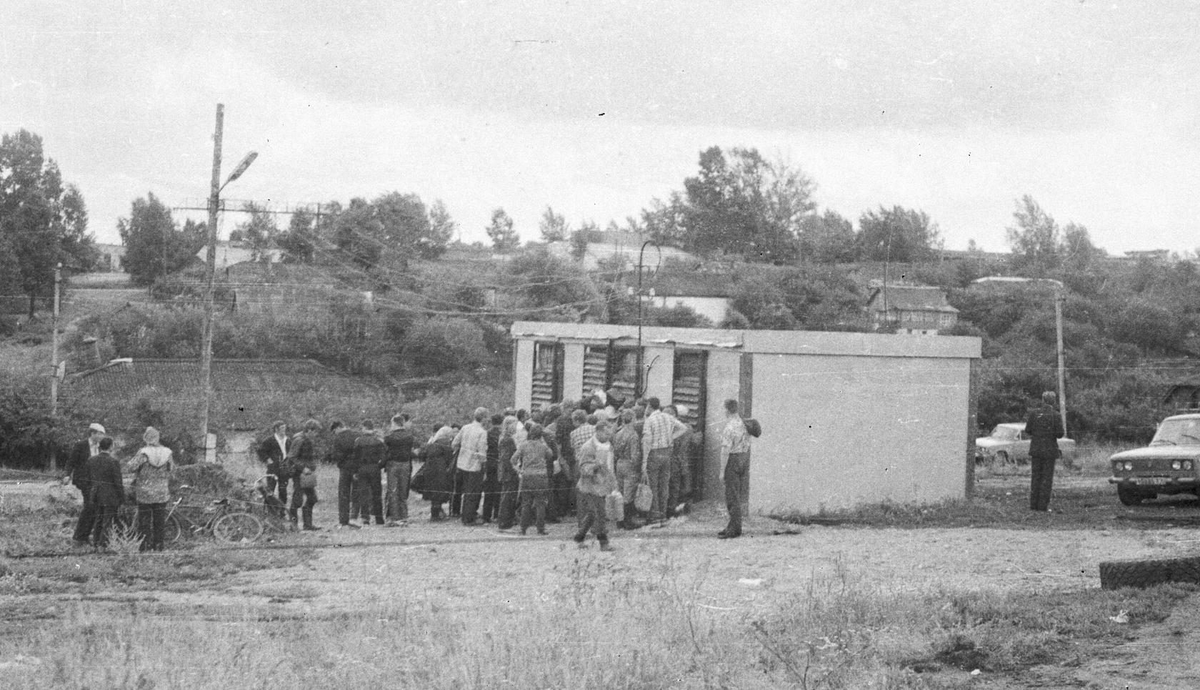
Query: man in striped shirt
{"type": "Point", "coordinates": [658, 439]}
{"type": "Point", "coordinates": [735, 456]}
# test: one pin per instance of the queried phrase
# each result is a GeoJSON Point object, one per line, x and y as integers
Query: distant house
{"type": "Point", "coordinates": [112, 257]}
{"type": "Point", "coordinates": [230, 253]}
{"type": "Point", "coordinates": [618, 250]}
{"type": "Point", "coordinates": [910, 309]}
{"type": "Point", "coordinates": [707, 294]}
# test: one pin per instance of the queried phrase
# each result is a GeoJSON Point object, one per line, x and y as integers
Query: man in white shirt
{"type": "Point", "coordinates": [735, 457]}
{"type": "Point", "coordinates": [470, 445]}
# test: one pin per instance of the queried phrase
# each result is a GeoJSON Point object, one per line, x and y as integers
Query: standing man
{"type": "Point", "coordinates": [1044, 427]}
{"type": "Point", "coordinates": [627, 460]}
{"type": "Point", "coordinates": [596, 482]}
{"type": "Point", "coordinates": [77, 474]}
{"type": "Point", "coordinates": [304, 454]}
{"type": "Point", "coordinates": [272, 452]}
{"type": "Point", "coordinates": [341, 452]}
{"type": "Point", "coordinates": [370, 452]}
{"type": "Point", "coordinates": [106, 490]}
{"type": "Point", "coordinates": [735, 458]}
{"type": "Point", "coordinates": [491, 472]}
{"type": "Point", "coordinates": [680, 488]}
{"type": "Point", "coordinates": [400, 447]}
{"type": "Point", "coordinates": [470, 445]}
{"type": "Point", "coordinates": [658, 442]}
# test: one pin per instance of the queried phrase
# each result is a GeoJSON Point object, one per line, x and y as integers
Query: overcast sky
{"type": "Point", "coordinates": [595, 108]}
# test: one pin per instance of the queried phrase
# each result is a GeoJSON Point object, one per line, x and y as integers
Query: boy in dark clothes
{"type": "Point", "coordinates": [106, 490]}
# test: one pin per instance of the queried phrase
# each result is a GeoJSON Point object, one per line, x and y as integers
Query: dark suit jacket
{"type": "Point", "coordinates": [106, 486]}
{"type": "Point", "coordinates": [1044, 427]}
{"type": "Point", "coordinates": [77, 465]}
{"type": "Point", "coordinates": [270, 453]}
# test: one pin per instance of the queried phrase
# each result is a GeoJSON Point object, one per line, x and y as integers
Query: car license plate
{"type": "Point", "coordinates": [1151, 480]}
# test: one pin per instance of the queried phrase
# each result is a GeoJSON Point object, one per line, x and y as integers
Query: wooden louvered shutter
{"type": "Point", "coordinates": [595, 369]}
{"type": "Point", "coordinates": [547, 375]}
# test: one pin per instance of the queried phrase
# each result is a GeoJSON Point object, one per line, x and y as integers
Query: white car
{"type": "Point", "coordinates": [1008, 444]}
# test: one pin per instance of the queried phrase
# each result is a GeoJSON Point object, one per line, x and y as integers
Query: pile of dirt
{"type": "Point", "coordinates": [206, 481]}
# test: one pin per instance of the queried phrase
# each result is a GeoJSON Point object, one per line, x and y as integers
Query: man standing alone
{"type": "Point", "coordinates": [735, 456]}
{"type": "Point", "coordinates": [470, 445]}
{"type": "Point", "coordinates": [1044, 427]}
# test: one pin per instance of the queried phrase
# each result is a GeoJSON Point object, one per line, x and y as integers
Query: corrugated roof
{"type": "Point", "coordinates": [911, 298]}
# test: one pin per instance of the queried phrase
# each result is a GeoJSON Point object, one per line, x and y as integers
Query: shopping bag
{"type": "Point", "coordinates": [643, 499]}
{"type": "Point", "coordinates": [614, 506]}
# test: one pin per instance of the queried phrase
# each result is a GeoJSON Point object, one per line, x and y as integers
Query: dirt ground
{"type": "Point", "coordinates": [449, 565]}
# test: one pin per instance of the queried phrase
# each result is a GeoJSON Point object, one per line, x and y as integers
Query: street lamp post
{"type": "Point", "coordinates": [1059, 298]}
{"type": "Point", "coordinates": [214, 206]}
{"type": "Point", "coordinates": [640, 389]}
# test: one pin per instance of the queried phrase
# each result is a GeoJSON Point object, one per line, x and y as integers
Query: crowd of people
{"type": "Point", "coordinates": [602, 459]}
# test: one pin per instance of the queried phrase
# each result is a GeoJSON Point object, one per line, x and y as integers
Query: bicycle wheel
{"type": "Point", "coordinates": [237, 528]}
{"type": "Point", "coordinates": [173, 530]}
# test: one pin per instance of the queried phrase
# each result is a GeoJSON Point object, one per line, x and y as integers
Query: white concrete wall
{"type": "Point", "coordinates": [573, 354]}
{"type": "Point", "coordinates": [724, 370]}
{"type": "Point", "coordinates": [523, 374]}
{"type": "Point", "coordinates": [660, 378]}
{"type": "Point", "coordinates": [844, 430]}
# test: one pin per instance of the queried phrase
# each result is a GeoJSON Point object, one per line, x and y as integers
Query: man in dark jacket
{"type": "Point", "coordinates": [341, 452]}
{"type": "Point", "coordinates": [400, 444]}
{"type": "Point", "coordinates": [491, 471]}
{"type": "Point", "coordinates": [106, 490]}
{"type": "Point", "coordinates": [1044, 427]}
{"type": "Point", "coordinates": [272, 451]}
{"type": "Point", "coordinates": [304, 457]}
{"type": "Point", "coordinates": [78, 475]}
{"type": "Point", "coordinates": [369, 452]}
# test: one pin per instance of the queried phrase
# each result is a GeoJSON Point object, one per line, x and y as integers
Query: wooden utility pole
{"type": "Point", "coordinates": [214, 201]}
{"type": "Point", "coordinates": [1062, 373]}
{"type": "Point", "coordinates": [54, 360]}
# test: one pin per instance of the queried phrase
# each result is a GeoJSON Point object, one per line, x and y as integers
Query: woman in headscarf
{"type": "Point", "coordinates": [151, 468]}
{"type": "Point", "coordinates": [510, 481]}
{"type": "Point", "coordinates": [437, 483]}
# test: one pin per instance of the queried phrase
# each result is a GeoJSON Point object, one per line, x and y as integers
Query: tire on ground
{"type": "Point", "coordinates": [1115, 574]}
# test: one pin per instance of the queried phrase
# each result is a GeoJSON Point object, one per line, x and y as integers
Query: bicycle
{"type": "Point", "coordinates": [224, 522]}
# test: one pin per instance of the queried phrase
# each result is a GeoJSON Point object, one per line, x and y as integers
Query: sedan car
{"type": "Point", "coordinates": [1169, 465]}
{"type": "Point", "coordinates": [1009, 444]}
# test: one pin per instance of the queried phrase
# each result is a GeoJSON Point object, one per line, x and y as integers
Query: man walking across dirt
{"type": "Point", "coordinates": [471, 447]}
{"type": "Point", "coordinates": [77, 474]}
{"type": "Point", "coordinates": [1044, 427]}
{"type": "Point", "coordinates": [658, 442]}
{"type": "Point", "coordinates": [735, 458]}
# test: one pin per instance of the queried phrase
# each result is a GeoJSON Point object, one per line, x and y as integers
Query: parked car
{"type": "Point", "coordinates": [1169, 465]}
{"type": "Point", "coordinates": [1009, 444]}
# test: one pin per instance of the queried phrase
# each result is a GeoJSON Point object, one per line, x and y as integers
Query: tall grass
{"type": "Point", "coordinates": [597, 624]}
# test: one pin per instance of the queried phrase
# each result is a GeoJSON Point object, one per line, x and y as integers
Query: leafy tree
{"type": "Point", "coordinates": [1034, 238]}
{"type": "Point", "coordinates": [438, 345]}
{"type": "Point", "coordinates": [501, 232]}
{"type": "Point", "coordinates": [298, 242]}
{"type": "Point", "coordinates": [44, 222]}
{"type": "Point", "coordinates": [553, 226]}
{"type": "Point", "coordinates": [259, 231]}
{"type": "Point", "coordinates": [761, 303]}
{"type": "Point", "coordinates": [155, 246]}
{"type": "Point", "coordinates": [1078, 252]}
{"type": "Point", "coordinates": [358, 233]}
{"type": "Point", "coordinates": [587, 232]}
{"type": "Point", "coordinates": [551, 288]}
{"type": "Point", "coordinates": [441, 230]}
{"type": "Point", "coordinates": [897, 234]}
{"type": "Point", "coordinates": [828, 238]}
{"type": "Point", "coordinates": [664, 223]}
{"type": "Point", "coordinates": [743, 204]}
{"type": "Point", "coordinates": [405, 222]}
